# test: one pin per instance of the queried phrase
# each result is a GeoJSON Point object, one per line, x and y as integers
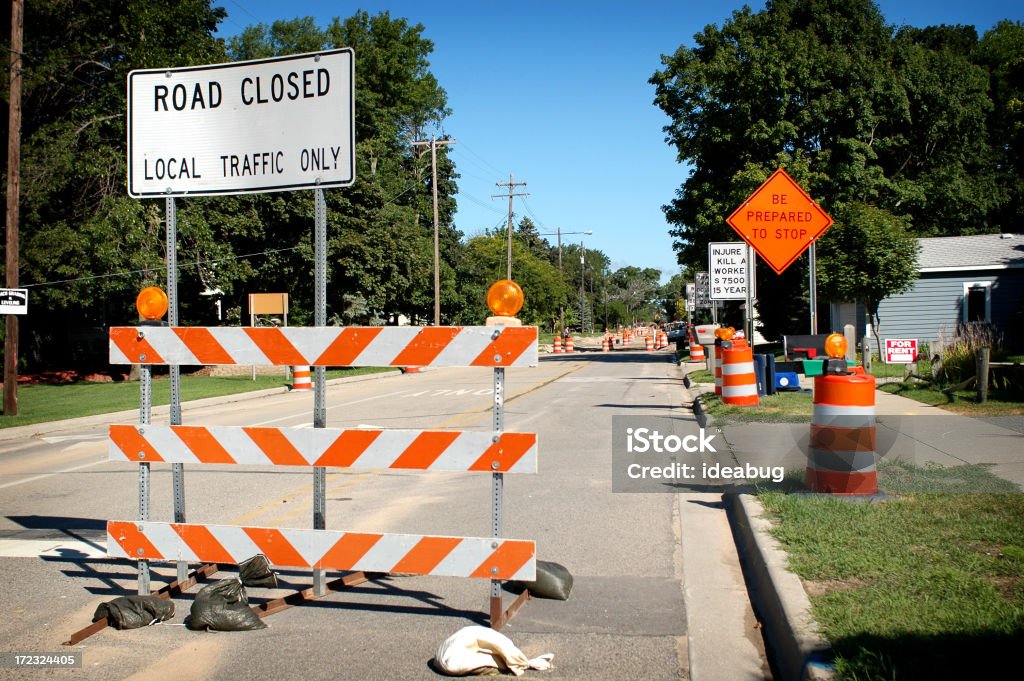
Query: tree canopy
{"type": "Point", "coordinates": [910, 129]}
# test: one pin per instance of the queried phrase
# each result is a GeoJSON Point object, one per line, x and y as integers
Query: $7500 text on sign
{"type": "Point", "coordinates": [258, 126]}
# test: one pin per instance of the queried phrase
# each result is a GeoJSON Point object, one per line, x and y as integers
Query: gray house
{"type": "Point", "coordinates": [961, 280]}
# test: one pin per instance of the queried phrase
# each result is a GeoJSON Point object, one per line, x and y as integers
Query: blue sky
{"type": "Point", "coordinates": [555, 93]}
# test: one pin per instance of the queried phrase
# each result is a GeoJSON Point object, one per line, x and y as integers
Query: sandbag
{"type": "Point", "coordinates": [480, 650]}
{"type": "Point", "coordinates": [553, 581]}
{"type": "Point", "coordinates": [256, 572]}
{"type": "Point", "coordinates": [132, 612]}
{"type": "Point", "coordinates": [223, 606]}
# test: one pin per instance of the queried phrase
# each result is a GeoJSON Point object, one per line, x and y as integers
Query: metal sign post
{"type": "Point", "coordinates": [497, 489]}
{"type": "Point", "coordinates": [813, 287]}
{"type": "Point", "coordinates": [178, 469]}
{"type": "Point", "coordinates": [145, 418]}
{"type": "Point", "coordinates": [320, 372]}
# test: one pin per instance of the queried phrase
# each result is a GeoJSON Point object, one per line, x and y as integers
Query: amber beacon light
{"type": "Point", "coordinates": [835, 346]}
{"type": "Point", "coordinates": [151, 303]}
{"type": "Point", "coordinates": [505, 298]}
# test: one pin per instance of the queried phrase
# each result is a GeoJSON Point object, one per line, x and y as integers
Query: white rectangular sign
{"type": "Point", "coordinates": [727, 267]}
{"type": "Point", "coordinates": [258, 126]}
{"type": "Point", "coordinates": [900, 350]}
{"type": "Point", "coordinates": [13, 301]}
{"type": "Point", "coordinates": [691, 297]}
{"type": "Point", "coordinates": [701, 284]}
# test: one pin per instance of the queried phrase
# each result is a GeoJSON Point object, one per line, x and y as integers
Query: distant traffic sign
{"type": "Point", "coordinates": [727, 265]}
{"type": "Point", "coordinates": [779, 220]}
{"type": "Point", "coordinates": [703, 289]}
{"type": "Point", "coordinates": [13, 301]}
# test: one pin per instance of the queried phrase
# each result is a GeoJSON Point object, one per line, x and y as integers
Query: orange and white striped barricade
{"type": "Point", "coordinates": [496, 452]}
{"type": "Point", "coordinates": [664, 340]}
{"type": "Point", "coordinates": [557, 347]}
{"type": "Point", "coordinates": [842, 451]}
{"type": "Point", "coordinates": [570, 346]}
{"type": "Point", "coordinates": [648, 343]}
{"type": "Point", "coordinates": [302, 377]}
{"type": "Point", "coordinates": [739, 382]}
{"type": "Point", "coordinates": [606, 344]}
{"type": "Point", "coordinates": [696, 352]}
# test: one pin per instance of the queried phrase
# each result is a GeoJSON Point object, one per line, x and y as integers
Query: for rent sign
{"type": "Point", "coordinates": [900, 350]}
{"type": "Point", "coordinates": [257, 126]}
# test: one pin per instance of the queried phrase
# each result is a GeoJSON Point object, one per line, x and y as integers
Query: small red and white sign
{"type": "Point", "coordinates": [900, 350]}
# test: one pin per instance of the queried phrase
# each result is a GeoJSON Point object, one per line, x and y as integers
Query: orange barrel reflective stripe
{"type": "Point", "coordinates": [696, 352]}
{"type": "Point", "coordinates": [558, 345]}
{"type": "Point", "coordinates": [302, 378]}
{"type": "Point", "coordinates": [739, 383]}
{"type": "Point", "coordinates": [569, 345]}
{"type": "Point", "coordinates": [841, 455]}
{"type": "Point", "coordinates": [716, 358]}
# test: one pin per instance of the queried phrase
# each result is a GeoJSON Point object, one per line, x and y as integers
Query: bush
{"type": "Point", "coordinates": [958, 352]}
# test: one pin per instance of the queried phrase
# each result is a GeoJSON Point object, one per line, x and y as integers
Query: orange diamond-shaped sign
{"type": "Point", "coordinates": [779, 220]}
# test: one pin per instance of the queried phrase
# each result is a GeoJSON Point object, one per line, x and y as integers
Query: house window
{"type": "Point", "coordinates": [977, 305]}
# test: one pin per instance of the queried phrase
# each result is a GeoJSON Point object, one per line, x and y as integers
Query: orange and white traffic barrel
{"type": "Point", "coordinates": [696, 352]}
{"type": "Point", "coordinates": [302, 378]}
{"type": "Point", "coordinates": [841, 456]}
{"type": "Point", "coordinates": [557, 348]}
{"type": "Point", "coordinates": [569, 345]}
{"type": "Point", "coordinates": [606, 344]}
{"type": "Point", "coordinates": [739, 382]}
{"type": "Point", "coordinates": [648, 343]}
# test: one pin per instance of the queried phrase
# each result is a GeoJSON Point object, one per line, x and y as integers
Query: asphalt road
{"type": "Point", "coordinates": [624, 620]}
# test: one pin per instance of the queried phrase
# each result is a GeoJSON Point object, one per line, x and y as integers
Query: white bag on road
{"type": "Point", "coordinates": [473, 649]}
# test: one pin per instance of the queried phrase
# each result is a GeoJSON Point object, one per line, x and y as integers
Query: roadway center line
{"type": "Point", "coordinates": [343, 404]}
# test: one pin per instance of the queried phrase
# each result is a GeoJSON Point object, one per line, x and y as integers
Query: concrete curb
{"type": "Point", "coordinates": [798, 649]}
{"type": "Point", "coordinates": [84, 422]}
{"type": "Point", "coordinates": [795, 645]}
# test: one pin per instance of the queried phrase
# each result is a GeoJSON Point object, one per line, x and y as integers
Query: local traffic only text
{"type": "Point", "coordinates": [252, 92]}
{"type": "Point", "coordinates": [782, 222]}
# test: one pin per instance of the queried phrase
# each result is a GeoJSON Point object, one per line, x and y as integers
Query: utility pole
{"type": "Point", "coordinates": [13, 196]}
{"type": "Point", "coordinates": [511, 184]}
{"type": "Point", "coordinates": [437, 248]}
{"type": "Point", "coordinates": [583, 265]}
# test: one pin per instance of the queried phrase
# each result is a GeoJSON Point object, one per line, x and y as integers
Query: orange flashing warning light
{"type": "Point", "coordinates": [151, 303]}
{"type": "Point", "coordinates": [505, 298]}
{"type": "Point", "coordinates": [835, 346]}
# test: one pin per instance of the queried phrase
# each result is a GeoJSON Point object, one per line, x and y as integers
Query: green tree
{"type": "Point", "coordinates": [857, 112]}
{"type": "Point", "coordinates": [873, 257]}
{"type": "Point", "coordinates": [79, 230]}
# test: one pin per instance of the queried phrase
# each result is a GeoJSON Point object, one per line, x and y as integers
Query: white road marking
{"type": "Point", "coordinates": [60, 548]}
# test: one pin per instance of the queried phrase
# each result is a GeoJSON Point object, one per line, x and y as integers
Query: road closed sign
{"type": "Point", "coordinates": [900, 350]}
{"type": "Point", "coordinates": [257, 126]}
{"type": "Point", "coordinates": [779, 220]}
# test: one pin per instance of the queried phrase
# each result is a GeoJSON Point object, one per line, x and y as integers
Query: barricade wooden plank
{"type": "Point", "coordinates": [364, 448]}
{"type": "Point", "coordinates": [485, 558]}
{"type": "Point", "coordinates": [439, 346]}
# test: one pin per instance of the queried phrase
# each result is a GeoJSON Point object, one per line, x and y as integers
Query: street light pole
{"type": "Point", "coordinates": [583, 265]}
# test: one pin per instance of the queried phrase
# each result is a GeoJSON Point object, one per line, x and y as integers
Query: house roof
{"type": "Point", "coordinates": [978, 252]}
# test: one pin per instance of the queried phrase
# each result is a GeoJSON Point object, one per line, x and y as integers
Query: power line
{"type": "Point", "coordinates": [160, 268]}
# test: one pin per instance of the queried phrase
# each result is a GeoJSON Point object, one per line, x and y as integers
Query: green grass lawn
{"type": "Point", "coordinates": [782, 407]}
{"type": "Point", "coordinates": [40, 403]}
{"type": "Point", "coordinates": [999, 403]}
{"type": "Point", "coordinates": [924, 586]}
